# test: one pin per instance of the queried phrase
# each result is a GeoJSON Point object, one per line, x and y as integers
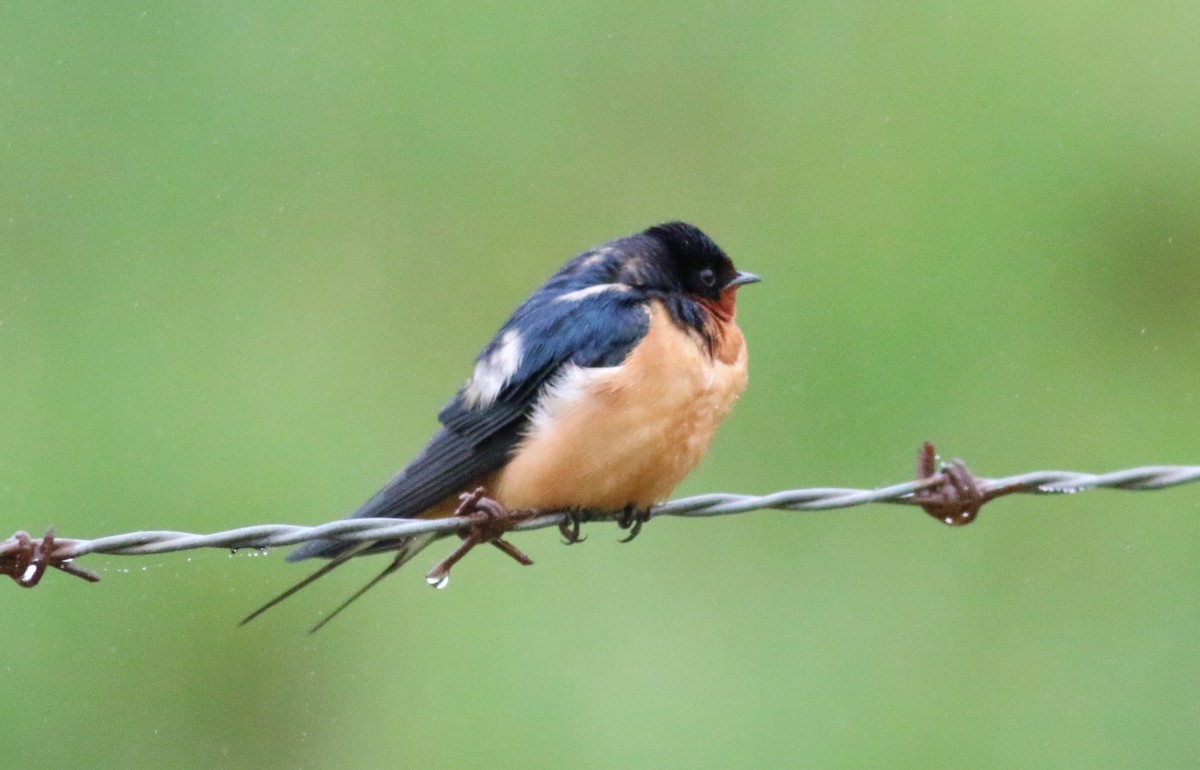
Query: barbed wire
{"type": "Point", "coordinates": [950, 493]}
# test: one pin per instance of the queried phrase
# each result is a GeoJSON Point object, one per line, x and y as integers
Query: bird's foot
{"type": "Point", "coordinates": [632, 520]}
{"type": "Point", "coordinates": [489, 522]}
{"type": "Point", "coordinates": [570, 527]}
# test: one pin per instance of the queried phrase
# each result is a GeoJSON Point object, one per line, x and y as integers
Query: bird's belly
{"type": "Point", "coordinates": [627, 435]}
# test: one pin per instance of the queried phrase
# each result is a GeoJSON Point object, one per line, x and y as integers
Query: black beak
{"type": "Point", "coordinates": [741, 279]}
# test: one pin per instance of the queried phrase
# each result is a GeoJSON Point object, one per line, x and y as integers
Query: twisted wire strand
{"type": "Point", "coordinates": [719, 504]}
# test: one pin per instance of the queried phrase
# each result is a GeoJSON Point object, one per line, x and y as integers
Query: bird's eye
{"type": "Point", "coordinates": [708, 277]}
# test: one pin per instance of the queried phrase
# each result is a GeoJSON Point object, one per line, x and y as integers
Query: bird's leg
{"type": "Point", "coordinates": [489, 522]}
{"type": "Point", "coordinates": [570, 526]}
{"type": "Point", "coordinates": [632, 520]}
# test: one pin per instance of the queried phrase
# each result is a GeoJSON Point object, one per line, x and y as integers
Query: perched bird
{"type": "Point", "coordinates": [600, 393]}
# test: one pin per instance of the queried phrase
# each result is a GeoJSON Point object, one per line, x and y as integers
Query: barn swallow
{"type": "Point", "coordinates": [600, 393]}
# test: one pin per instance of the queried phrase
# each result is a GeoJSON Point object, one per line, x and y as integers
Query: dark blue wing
{"type": "Point", "coordinates": [599, 329]}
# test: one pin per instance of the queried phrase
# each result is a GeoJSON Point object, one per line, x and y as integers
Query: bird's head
{"type": "Point", "coordinates": [687, 261]}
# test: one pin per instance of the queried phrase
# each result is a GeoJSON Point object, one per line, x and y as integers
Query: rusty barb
{"type": "Point", "coordinates": [955, 495]}
{"type": "Point", "coordinates": [25, 560]}
{"type": "Point", "coordinates": [947, 491]}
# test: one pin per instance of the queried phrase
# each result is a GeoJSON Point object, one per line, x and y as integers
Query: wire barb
{"type": "Point", "coordinates": [949, 493]}
{"type": "Point", "coordinates": [25, 560]}
{"type": "Point", "coordinates": [489, 521]}
{"type": "Point", "coordinates": [957, 495]}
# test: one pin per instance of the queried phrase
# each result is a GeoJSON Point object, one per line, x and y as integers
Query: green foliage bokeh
{"type": "Point", "coordinates": [246, 252]}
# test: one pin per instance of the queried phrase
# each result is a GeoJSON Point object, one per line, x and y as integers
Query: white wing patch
{"type": "Point", "coordinates": [566, 390]}
{"type": "Point", "coordinates": [493, 372]}
{"type": "Point", "coordinates": [598, 256]}
{"type": "Point", "coordinates": [591, 291]}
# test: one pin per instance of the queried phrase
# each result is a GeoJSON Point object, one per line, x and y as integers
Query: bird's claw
{"type": "Point", "coordinates": [632, 520]}
{"type": "Point", "coordinates": [570, 527]}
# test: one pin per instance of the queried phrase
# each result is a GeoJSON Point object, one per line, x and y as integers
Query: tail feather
{"type": "Point", "coordinates": [339, 553]}
{"type": "Point", "coordinates": [410, 549]}
{"type": "Point", "coordinates": [322, 549]}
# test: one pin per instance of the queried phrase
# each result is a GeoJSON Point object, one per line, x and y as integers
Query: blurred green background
{"type": "Point", "coordinates": [247, 252]}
